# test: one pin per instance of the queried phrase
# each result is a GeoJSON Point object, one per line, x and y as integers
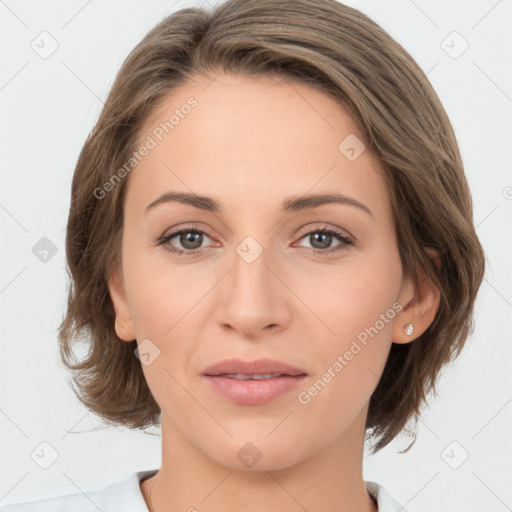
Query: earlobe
{"type": "Point", "coordinates": [421, 307]}
{"type": "Point", "coordinates": [123, 318]}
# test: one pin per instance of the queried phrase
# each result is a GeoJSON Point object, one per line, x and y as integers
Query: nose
{"type": "Point", "coordinates": [254, 301]}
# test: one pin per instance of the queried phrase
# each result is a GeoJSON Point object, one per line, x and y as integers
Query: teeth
{"type": "Point", "coordinates": [242, 376]}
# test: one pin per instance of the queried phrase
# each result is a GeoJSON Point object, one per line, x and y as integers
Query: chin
{"type": "Point", "coordinates": [257, 453]}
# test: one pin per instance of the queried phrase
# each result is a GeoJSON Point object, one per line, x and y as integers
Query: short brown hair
{"type": "Point", "coordinates": [339, 50]}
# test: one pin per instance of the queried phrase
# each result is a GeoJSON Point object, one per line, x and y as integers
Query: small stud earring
{"type": "Point", "coordinates": [408, 329]}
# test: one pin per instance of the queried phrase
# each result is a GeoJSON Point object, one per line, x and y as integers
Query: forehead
{"type": "Point", "coordinates": [244, 138]}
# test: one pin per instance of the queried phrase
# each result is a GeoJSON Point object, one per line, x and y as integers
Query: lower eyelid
{"type": "Point", "coordinates": [167, 238]}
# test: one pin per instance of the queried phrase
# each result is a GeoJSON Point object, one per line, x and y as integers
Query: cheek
{"type": "Point", "coordinates": [348, 370]}
{"type": "Point", "coordinates": [357, 308]}
{"type": "Point", "coordinates": [356, 298]}
{"type": "Point", "coordinates": [160, 294]}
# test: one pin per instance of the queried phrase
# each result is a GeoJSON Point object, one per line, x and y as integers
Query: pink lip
{"type": "Point", "coordinates": [260, 366]}
{"type": "Point", "coordinates": [253, 392]}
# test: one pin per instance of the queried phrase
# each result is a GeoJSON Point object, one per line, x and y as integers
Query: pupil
{"type": "Point", "coordinates": [193, 237]}
{"type": "Point", "coordinates": [325, 238]}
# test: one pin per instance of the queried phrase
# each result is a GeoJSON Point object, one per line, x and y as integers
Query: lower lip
{"type": "Point", "coordinates": [254, 392]}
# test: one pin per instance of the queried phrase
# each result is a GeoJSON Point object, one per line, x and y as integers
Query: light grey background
{"type": "Point", "coordinates": [49, 105]}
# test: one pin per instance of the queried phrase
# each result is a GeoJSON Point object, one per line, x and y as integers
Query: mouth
{"type": "Point", "coordinates": [243, 376]}
{"type": "Point", "coordinates": [253, 382]}
{"type": "Point", "coordinates": [259, 369]}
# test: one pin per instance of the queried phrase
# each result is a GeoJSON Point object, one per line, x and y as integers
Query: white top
{"type": "Point", "coordinates": [126, 496]}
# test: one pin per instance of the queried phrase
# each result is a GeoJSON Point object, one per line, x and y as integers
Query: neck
{"type": "Point", "coordinates": [329, 480]}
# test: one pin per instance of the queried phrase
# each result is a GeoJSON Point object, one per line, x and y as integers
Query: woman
{"type": "Point", "coordinates": [272, 256]}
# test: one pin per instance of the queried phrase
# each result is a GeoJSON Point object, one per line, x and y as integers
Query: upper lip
{"type": "Point", "coordinates": [257, 367]}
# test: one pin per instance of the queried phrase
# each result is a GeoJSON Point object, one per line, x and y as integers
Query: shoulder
{"type": "Point", "coordinates": [385, 502]}
{"type": "Point", "coordinates": [126, 495]}
{"type": "Point", "coordinates": [123, 495]}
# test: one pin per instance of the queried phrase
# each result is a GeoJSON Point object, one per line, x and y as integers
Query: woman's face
{"type": "Point", "coordinates": [258, 277]}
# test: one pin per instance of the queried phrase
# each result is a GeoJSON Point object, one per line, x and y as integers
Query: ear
{"type": "Point", "coordinates": [420, 305]}
{"type": "Point", "coordinates": [123, 322]}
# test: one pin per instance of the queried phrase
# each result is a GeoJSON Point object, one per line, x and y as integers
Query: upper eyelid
{"type": "Point", "coordinates": [325, 227]}
{"type": "Point", "coordinates": [304, 231]}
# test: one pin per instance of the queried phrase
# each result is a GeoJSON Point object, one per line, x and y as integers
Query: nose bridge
{"type": "Point", "coordinates": [251, 273]}
{"type": "Point", "coordinates": [253, 297]}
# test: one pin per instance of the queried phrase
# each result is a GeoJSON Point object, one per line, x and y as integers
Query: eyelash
{"type": "Point", "coordinates": [345, 241]}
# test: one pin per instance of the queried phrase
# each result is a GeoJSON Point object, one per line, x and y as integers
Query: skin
{"type": "Point", "coordinates": [251, 143]}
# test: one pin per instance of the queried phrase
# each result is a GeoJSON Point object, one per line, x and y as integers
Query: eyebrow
{"type": "Point", "coordinates": [292, 204]}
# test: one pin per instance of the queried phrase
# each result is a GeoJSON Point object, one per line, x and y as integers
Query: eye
{"type": "Point", "coordinates": [321, 240]}
{"type": "Point", "coordinates": [189, 238]}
